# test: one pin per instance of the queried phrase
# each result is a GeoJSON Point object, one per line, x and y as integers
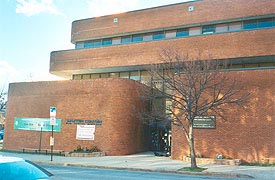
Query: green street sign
{"type": "Point", "coordinates": [35, 124]}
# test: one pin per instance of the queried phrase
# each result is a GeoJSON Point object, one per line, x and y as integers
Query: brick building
{"type": "Point", "coordinates": [108, 69]}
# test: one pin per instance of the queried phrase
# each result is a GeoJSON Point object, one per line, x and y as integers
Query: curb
{"type": "Point", "coordinates": [212, 174]}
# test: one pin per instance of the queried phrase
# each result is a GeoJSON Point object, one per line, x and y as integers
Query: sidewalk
{"type": "Point", "coordinates": [148, 162]}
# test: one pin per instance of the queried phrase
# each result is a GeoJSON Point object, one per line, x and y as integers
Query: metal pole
{"type": "Point", "coordinates": [52, 146]}
{"type": "Point", "coordinates": [40, 140]}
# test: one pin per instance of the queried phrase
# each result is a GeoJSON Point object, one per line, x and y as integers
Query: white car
{"type": "Point", "coordinates": [13, 168]}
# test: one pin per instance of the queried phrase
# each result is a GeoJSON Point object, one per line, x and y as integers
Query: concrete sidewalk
{"type": "Point", "coordinates": [148, 162]}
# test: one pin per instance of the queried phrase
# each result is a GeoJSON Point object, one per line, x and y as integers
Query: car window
{"type": "Point", "coordinates": [21, 170]}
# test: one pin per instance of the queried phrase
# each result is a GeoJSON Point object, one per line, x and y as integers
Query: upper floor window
{"type": "Point", "coordinates": [170, 34]}
{"type": "Point", "coordinates": [220, 28]}
{"type": "Point", "coordinates": [263, 23]}
{"type": "Point", "coordinates": [231, 26]}
{"type": "Point", "coordinates": [106, 42]}
{"type": "Point", "coordinates": [235, 26]}
{"type": "Point", "coordinates": [124, 74]}
{"type": "Point", "coordinates": [182, 32]}
{"type": "Point", "coordinates": [158, 35]}
{"type": "Point", "coordinates": [126, 39]}
{"type": "Point", "coordinates": [79, 45]}
{"type": "Point", "coordinates": [97, 43]}
{"type": "Point", "coordinates": [135, 75]}
{"type": "Point", "coordinates": [208, 29]}
{"type": "Point", "coordinates": [104, 75]}
{"type": "Point", "coordinates": [137, 38]}
{"type": "Point", "coordinates": [88, 44]}
{"type": "Point", "coordinates": [116, 40]}
{"type": "Point", "coordinates": [147, 37]}
{"type": "Point", "coordinates": [250, 24]}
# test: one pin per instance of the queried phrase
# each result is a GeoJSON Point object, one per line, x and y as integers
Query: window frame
{"type": "Point", "coordinates": [107, 42]}
{"type": "Point", "coordinates": [158, 35]}
{"type": "Point", "coordinates": [208, 29]}
{"type": "Point", "coordinates": [126, 39]}
{"type": "Point", "coordinates": [180, 31]}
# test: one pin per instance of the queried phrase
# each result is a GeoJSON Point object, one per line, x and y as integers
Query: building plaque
{"type": "Point", "coordinates": [204, 122]}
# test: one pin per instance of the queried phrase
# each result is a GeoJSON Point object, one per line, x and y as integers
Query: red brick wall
{"type": "Point", "coordinates": [169, 16]}
{"type": "Point", "coordinates": [114, 101]}
{"type": "Point", "coordinates": [221, 46]}
{"type": "Point", "coordinates": [248, 135]}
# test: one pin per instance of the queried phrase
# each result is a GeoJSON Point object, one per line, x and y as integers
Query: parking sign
{"type": "Point", "coordinates": [52, 116]}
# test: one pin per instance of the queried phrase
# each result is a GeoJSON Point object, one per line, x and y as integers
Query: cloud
{"type": "Point", "coordinates": [107, 7]}
{"type": "Point", "coordinates": [9, 74]}
{"type": "Point", "coordinates": [34, 7]}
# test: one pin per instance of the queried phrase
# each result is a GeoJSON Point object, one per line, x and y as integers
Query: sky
{"type": "Point", "coordinates": [31, 29]}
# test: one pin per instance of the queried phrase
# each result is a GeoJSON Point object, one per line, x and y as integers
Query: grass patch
{"type": "Point", "coordinates": [258, 164]}
{"type": "Point", "coordinates": [189, 169]}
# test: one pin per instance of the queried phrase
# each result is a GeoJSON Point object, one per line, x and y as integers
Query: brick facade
{"type": "Point", "coordinates": [169, 16]}
{"type": "Point", "coordinates": [230, 45]}
{"type": "Point", "coordinates": [245, 134]}
{"type": "Point", "coordinates": [248, 135]}
{"type": "Point", "coordinates": [114, 101]}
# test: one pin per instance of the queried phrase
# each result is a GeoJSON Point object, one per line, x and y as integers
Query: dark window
{"type": "Point", "coordinates": [137, 38]}
{"type": "Point", "coordinates": [88, 44]}
{"type": "Point", "coordinates": [251, 24]}
{"type": "Point", "coordinates": [104, 75]}
{"type": "Point", "coordinates": [77, 76]}
{"type": "Point", "coordinates": [126, 39]}
{"type": "Point", "coordinates": [124, 74]}
{"type": "Point", "coordinates": [97, 43]}
{"type": "Point", "coordinates": [208, 29]}
{"type": "Point", "coordinates": [134, 75]}
{"type": "Point", "coordinates": [158, 35]}
{"type": "Point", "coordinates": [263, 23]}
{"type": "Point", "coordinates": [182, 32]}
{"type": "Point", "coordinates": [94, 76]}
{"type": "Point", "coordinates": [106, 42]}
{"type": "Point", "coordinates": [79, 45]}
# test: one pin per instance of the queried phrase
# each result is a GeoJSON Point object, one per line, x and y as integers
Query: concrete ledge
{"type": "Point", "coordinates": [233, 162]}
{"type": "Point", "coordinates": [78, 154]}
{"type": "Point", "coordinates": [268, 161]}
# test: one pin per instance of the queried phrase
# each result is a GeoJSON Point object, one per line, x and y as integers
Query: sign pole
{"type": "Point", "coordinates": [40, 141]}
{"type": "Point", "coordinates": [51, 142]}
{"type": "Point", "coordinates": [52, 123]}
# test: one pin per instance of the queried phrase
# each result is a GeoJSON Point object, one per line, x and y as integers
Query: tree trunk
{"type": "Point", "coordinates": [192, 148]}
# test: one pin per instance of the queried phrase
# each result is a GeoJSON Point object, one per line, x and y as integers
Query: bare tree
{"type": "Point", "coordinates": [184, 88]}
{"type": "Point", "coordinates": [3, 99]}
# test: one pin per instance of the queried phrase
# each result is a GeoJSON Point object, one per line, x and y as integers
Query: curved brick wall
{"type": "Point", "coordinates": [114, 101]}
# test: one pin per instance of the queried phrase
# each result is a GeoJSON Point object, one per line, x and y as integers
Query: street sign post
{"type": "Point", "coordinates": [52, 116]}
{"type": "Point", "coordinates": [40, 140]}
{"type": "Point", "coordinates": [52, 123]}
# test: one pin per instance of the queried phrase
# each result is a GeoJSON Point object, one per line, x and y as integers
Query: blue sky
{"type": "Point", "coordinates": [31, 29]}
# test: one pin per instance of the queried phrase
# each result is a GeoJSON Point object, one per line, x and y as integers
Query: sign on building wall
{"type": "Point", "coordinates": [35, 124]}
{"type": "Point", "coordinates": [85, 132]}
{"type": "Point", "coordinates": [204, 122]}
{"type": "Point", "coordinates": [96, 122]}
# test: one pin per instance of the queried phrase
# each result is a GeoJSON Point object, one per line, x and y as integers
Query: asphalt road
{"type": "Point", "coordinates": [78, 173]}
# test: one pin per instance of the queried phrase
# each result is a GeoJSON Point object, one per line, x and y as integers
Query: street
{"type": "Point", "coordinates": [78, 173]}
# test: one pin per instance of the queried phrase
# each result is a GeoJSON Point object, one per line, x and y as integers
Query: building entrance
{"type": "Point", "coordinates": [160, 138]}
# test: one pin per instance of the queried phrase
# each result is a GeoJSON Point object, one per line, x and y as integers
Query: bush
{"type": "Point", "coordinates": [86, 150]}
